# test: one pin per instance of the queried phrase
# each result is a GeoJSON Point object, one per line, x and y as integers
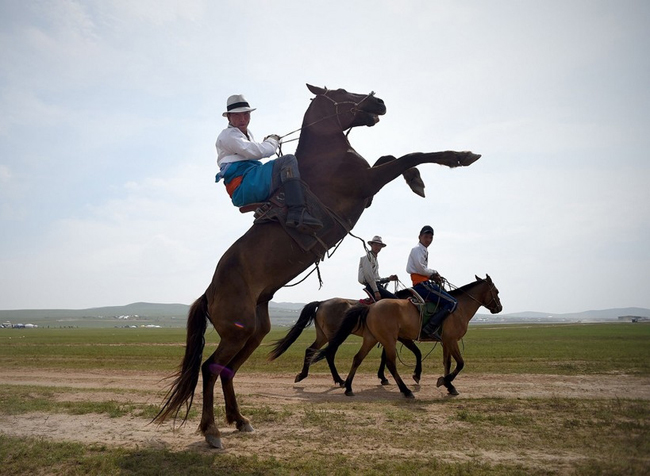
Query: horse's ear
{"type": "Point", "coordinates": [488, 278]}
{"type": "Point", "coordinates": [477, 278]}
{"type": "Point", "coordinates": [316, 90]}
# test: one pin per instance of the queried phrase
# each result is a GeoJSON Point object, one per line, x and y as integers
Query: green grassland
{"type": "Point", "coordinates": [611, 436]}
{"type": "Point", "coordinates": [537, 348]}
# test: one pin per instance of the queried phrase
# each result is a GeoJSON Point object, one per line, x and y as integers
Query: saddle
{"type": "Point", "coordinates": [275, 210]}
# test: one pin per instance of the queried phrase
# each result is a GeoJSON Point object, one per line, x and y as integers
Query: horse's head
{"type": "Point", "coordinates": [337, 108]}
{"type": "Point", "coordinates": [490, 298]}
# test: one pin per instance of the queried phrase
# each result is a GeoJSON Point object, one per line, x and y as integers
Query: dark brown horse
{"type": "Point", "coordinates": [390, 319]}
{"type": "Point", "coordinates": [327, 317]}
{"type": "Point", "coordinates": [264, 259]}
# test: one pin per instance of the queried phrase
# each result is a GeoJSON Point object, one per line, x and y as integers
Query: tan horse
{"type": "Point", "coordinates": [327, 317]}
{"type": "Point", "coordinates": [390, 319]}
{"type": "Point", "coordinates": [265, 258]}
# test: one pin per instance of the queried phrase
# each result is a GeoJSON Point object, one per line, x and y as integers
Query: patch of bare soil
{"type": "Point", "coordinates": [279, 393]}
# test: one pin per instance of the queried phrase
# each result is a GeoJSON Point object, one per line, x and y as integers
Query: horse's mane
{"type": "Point", "coordinates": [465, 288]}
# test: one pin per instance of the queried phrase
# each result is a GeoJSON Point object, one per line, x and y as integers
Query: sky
{"type": "Point", "coordinates": [110, 111]}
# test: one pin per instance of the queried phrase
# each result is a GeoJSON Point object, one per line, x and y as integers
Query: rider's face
{"type": "Point", "coordinates": [240, 120]}
{"type": "Point", "coordinates": [426, 239]}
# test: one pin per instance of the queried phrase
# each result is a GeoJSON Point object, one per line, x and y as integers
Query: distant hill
{"type": "Point", "coordinates": [282, 314]}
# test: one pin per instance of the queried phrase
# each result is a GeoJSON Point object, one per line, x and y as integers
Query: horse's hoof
{"type": "Point", "coordinates": [245, 427]}
{"type": "Point", "coordinates": [440, 382]}
{"type": "Point", "coordinates": [214, 441]}
{"type": "Point", "coordinates": [469, 159]}
{"type": "Point", "coordinates": [453, 392]}
{"type": "Point", "coordinates": [340, 384]}
{"type": "Point", "coordinates": [298, 378]}
{"type": "Point", "coordinates": [349, 393]}
{"type": "Point", "coordinates": [385, 381]}
{"type": "Point", "coordinates": [416, 378]}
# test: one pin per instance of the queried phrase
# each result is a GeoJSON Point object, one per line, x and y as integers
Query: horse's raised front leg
{"type": "Point", "coordinates": [412, 176]}
{"type": "Point", "coordinates": [380, 175]}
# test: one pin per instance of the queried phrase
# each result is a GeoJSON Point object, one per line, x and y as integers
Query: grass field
{"type": "Point", "coordinates": [496, 433]}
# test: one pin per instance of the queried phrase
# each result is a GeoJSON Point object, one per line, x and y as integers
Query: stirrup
{"type": "Point", "coordinates": [300, 224]}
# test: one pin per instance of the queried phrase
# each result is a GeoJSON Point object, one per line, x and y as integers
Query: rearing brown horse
{"type": "Point", "coordinates": [264, 259]}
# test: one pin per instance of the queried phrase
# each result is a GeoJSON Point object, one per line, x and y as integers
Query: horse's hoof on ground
{"type": "Point", "coordinates": [453, 392]}
{"type": "Point", "coordinates": [349, 393]}
{"type": "Point", "coordinates": [245, 427]}
{"type": "Point", "coordinates": [409, 395]}
{"type": "Point", "coordinates": [440, 382]}
{"type": "Point", "coordinates": [298, 378]}
{"type": "Point", "coordinates": [385, 381]}
{"type": "Point", "coordinates": [469, 159]}
{"type": "Point", "coordinates": [214, 441]}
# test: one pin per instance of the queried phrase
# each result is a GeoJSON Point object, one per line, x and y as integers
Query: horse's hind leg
{"type": "Point", "coordinates": [335, 373]}
{"type": "Point", "coordinates": [309, 352]}
{"type": "Point", "coordinates": [262, 327]}
{"type": "Point", "coordinates": [413, 347]}
{"type": "Point", "coordinates": [391, 355]}
{"type": "Point", "coordinates": [382, 365]}
{"type": "Point", "coordinates": [219, 364]}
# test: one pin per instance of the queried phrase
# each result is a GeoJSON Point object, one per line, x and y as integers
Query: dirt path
{"type": "Point", "coordinates": [275, 392]}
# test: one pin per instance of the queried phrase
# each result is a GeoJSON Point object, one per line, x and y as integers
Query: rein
{"type": "Point", "coordinates": [494, 299]}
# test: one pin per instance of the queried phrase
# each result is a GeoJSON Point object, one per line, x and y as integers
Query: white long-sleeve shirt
{"type": "Point", "coordinates": [234, 146]}
{"type": "Point", "coordinates": [369, 271]}
{"type": "Point", "coordinates": [418, 262]}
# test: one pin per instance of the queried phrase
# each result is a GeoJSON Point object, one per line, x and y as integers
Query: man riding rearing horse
{"type": "Point", "coordinates": [249, 181]}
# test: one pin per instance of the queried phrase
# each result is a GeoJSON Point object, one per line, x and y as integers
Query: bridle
{"type": "Point", "coordinates": [336, 114]}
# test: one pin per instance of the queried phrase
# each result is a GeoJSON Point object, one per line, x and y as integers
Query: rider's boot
{"type": "Point", "coordinates": [432, 329]}
{"type": "Point", "coordinates": [298, 217]}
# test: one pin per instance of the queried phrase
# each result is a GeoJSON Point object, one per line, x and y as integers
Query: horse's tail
{"type": "Point", "coordinates": [181, 392]}
{"type": "Point", "coordinates": [307, 316]}
{"type": "Point", "coordinates": [355, 318]}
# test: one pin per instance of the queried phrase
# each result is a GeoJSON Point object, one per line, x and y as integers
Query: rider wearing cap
{"type": "Point", "coordinates": [247, 179]}
{"type": "Point", "coordinates": [427, 283]}
{"type": "Point", "coordinates": [369, 271]}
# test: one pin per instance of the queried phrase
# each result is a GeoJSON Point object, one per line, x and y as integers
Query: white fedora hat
{"type": "Point", "coordinates": [237, 103]}
{"type": "Point", "coordinates": [377, 239]}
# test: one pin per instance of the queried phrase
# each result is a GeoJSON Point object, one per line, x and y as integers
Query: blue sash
{"type": "Point", "coordinates": [256, 181]}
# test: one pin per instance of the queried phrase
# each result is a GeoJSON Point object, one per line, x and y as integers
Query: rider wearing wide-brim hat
{"type": "Point", "coordinates": [369, 271]}
{"type": "Point", "coordinates": [247, 179]}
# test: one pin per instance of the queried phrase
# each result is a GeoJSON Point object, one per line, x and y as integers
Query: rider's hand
{"type": "Point", "coordinates": [377, 296]}
{"type": "Point", "coordinates": [393, 277]}
{"type": "Point", "coordinates": [436, 278]}
{"type": "Point", "coordinates": [275, 137]}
